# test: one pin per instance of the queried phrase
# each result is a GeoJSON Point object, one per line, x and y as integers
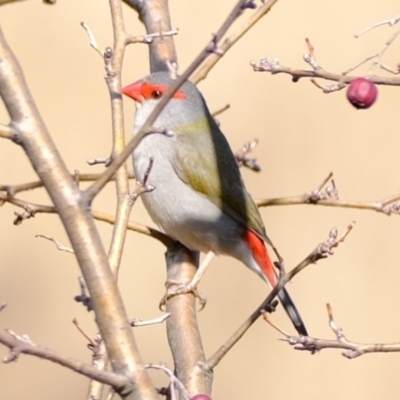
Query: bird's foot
{"type": "Point", "coordinates": [175, 288]}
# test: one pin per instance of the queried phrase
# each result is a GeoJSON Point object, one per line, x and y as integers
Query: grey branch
{"type": "Point", "coordinates": [23, 345]}
{"type": "Point", "coordinates": [351, 349]}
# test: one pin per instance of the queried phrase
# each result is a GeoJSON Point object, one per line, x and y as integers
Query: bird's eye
{"type": "Point", "coordinates": [156, 94]}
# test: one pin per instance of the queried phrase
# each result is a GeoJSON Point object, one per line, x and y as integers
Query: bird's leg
{"type": "Point", "coordinates": [174, 288]}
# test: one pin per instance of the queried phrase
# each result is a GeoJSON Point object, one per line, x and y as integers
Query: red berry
{"type": "Point", "coordinates": [201, 397]}
{"type": "Point", "coordinates": [362, 93]}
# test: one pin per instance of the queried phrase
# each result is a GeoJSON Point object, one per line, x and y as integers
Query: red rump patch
{"type": "Point", "coordinates": [147, 90]}
{"type": "Point", "coordinates": [260, 254]}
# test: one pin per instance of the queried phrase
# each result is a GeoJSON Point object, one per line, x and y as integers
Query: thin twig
{"type": "Point", "coordinates": [135, 322]}
{"type": "Point", "coordinates": [23, 345]}
{"type": "Point", "coordinates": [97, 161]}
{"type": "Point", "coordinates": [83, 332]}
{"type": "Point", "coordinates": [58, 245]}
{"type": "Point", "coordinates": [14, 189]}
{"type": "Point", "coordinates": [147, 39]}
{"type": "Point", "coordinates": [275, 68]}
{"type": "Point", "coordinates": [221, 110]}
{"type": "Point", "coordinates": [92, 39]}
{"type": "Point", "coordinates": [174, 381]}
{"type": "Point", "coordinates": [351, 349]}
{"type": "Point", "coordinates": [142, 187]}
{"type": "Point", "coordinates": [208, 64]}
{"type": "Point", "coordinates": [330, 198]}
{"type": "Point", "coordinates": [384, 206]}
{"type": "Point", "coordinates": [98, 215]}
{"type": "Point", "coordinates": [323, 250]}
{"type": "Point", "coordinates": [389, 22]}
{"type": "Point", "coordinates": [243, 160]}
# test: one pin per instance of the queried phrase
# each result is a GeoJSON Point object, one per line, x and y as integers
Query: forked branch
{"type": "Point", "coordinates": [351, 349]}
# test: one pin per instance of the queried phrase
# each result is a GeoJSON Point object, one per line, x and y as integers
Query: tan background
{"type": "Point", "coordinates": [303, 135]}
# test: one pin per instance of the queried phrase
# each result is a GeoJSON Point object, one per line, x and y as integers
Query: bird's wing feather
{"type": "Point", "coordinates": [196, 168]}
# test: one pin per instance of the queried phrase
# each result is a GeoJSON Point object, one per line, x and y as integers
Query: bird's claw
{"type": "Point", "coordinates": [175, 288]}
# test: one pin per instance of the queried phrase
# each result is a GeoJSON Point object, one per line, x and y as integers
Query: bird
{"type": "Point", "coordinates": [200, 198]}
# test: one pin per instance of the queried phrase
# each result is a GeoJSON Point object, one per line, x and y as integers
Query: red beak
{"type": "Point", "coordinates": [134, 91]}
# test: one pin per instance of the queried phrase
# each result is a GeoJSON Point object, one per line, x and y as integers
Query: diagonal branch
{"type": "Point", "coordinates": [74, 212]}
{"type": "Point", "coordinates": [23, 345]}
{"type": "Point", "coordinates": [205, 68]}
{"type": "Point", "coordinates": [321, 251]}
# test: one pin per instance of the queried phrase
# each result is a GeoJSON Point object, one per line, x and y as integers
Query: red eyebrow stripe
{"type": "Point", "coordinates": [148, 88]}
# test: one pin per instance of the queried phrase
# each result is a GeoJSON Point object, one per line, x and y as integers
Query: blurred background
{"type": "Point", "coordinates": [303, 135]}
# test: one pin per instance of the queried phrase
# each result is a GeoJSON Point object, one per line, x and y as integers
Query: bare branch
{"type": "Point", "coordinates": [23, 345]}
{"type": "Point", "coordinates": [14, 189]}
{"type": "Point", "coordinates": [133, 226]}
{"type": "Point", "coordinates": [139, 322]}
{"type": "Point", "coordinates": [92, 39]}
{"type": "Point", "coordinates": [100, 216]}
{"type": "Point", "coordinates": [96, 161]}
{"type": "Point", "coordinates": [379, 206]}
{"type": "Point", "coordinates": [389, 22]}
{"type": "Point", "coordinates": [143, 187]}
{"type": "Point", "coordinates": [182, 326]}
{"type": "Point", "coordinates": [321, 251]}
{"type": "Point", "coordinates": [351, 349]}
{"type": "Point", "coordinates": [243, 160]}
{"type": "Point", "coordinates": [84, 333]}
{"type": "Point", "coordinates": [99, 361]}
{"type": "Point", "coordinates": [74, 210]}
{"type": "Point", "coordinates": [175, 288]}
{"type": "Point", "coordinates": [329, 198]}
{"type": "Point", "coordinates": [174, 381]}
{"type": "Point", "coordinates": [221, 110]}
{"type": "Point", "coordinates": [155, 16]}
{"type": "Point", "coordinates": [58, 245]}
{"type": "Point", "coordinates": [208, 64]}
{"type": "Point", "coordinates": [147, 39]}
{"type": "Point", "coordinates": [274, 67]}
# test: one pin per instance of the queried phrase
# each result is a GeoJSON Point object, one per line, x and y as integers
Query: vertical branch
{"type": "Point", "coordinates": [113, 79]}
{"type": "Point", "coordinates": [74, 211]}
{"type": "Point", "coordinates": [182, 326]}
{"type": "Point", "coordinates": [155, 16]}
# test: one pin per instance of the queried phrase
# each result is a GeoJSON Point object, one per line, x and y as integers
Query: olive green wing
{"type": "Point", "coordinates": [212, 170]}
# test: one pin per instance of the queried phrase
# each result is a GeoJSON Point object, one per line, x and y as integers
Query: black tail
{"type": "Point", "coordinates": [292, 312]}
